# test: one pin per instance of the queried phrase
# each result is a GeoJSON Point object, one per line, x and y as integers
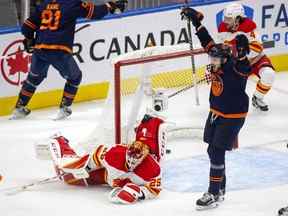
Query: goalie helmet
{"type": "Point", "coordinates": [234, 10]}
{"type": "Point", "coordinates": [136, 153]}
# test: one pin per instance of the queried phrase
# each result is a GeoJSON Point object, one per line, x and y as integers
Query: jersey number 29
{"type": "Point", "coordinates": [50, 20]}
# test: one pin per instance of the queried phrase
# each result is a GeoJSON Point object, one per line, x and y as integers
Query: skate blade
{"type": "Point", "coordinates": [203, 208]}
{"type": "Point", "coordinates": [259, 108]}
{"type": "Point", "coordinates": [60, 117]}
{"type": "Point", "coordinates": [15, 117]}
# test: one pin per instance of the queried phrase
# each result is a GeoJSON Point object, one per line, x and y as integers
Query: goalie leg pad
{"type": "Point", "coordinates": [71, 180]}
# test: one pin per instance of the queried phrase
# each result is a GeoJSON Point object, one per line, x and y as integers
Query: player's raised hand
{"type": "Point", "coordinates": [242, 45]}
{"type": "Point", "coordinates": [117, 6]}
{"type": "Point", "coordinates": [29, 45]}
{"type": "Point", "coordinates": [191, 14]}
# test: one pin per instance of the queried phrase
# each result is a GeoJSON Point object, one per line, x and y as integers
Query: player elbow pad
{"type": "Point", "coordinates": [243, 66]}
{"type": "Point", "coordinates": [205, 38]}
{"type": "Point", "coordinates": [27, 32]}
{"type": "Point", "coordinates": [75, 81]}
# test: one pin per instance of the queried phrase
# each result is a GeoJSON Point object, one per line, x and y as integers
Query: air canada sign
{"type": "Point", "coordinates": [104, 49]}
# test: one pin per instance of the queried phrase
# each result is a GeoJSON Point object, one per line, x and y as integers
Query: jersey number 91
{"type": "Point", "coordinates": [50, 20]}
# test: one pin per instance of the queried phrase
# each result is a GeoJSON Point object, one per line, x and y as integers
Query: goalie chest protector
{"type": "Point", "coordinates": [148, 132]}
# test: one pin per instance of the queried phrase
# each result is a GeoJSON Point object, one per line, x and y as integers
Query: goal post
{"type": "Point", "coordinates": [134, 61]}
{"type": "Point", "coordinates": [136, 77]}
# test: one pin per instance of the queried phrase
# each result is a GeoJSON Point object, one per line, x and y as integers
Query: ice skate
{"type": "Point", "coordinates": [207, 201]}
{"type": "Point", "coordinates": [259, 103]}
{"type": "Point", "coordinates": [283, 211]}
{"type": "Point", "coordinates": [20, 113]}
{"type": "Point", "coordinates": [64, 113]}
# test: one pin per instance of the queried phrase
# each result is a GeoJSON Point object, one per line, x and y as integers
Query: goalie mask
{"type": "Point", "coordinates": [136, 153]}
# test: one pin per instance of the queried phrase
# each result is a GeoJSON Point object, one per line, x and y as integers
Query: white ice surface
{"type": "Point", "coordinates": [256, 172]}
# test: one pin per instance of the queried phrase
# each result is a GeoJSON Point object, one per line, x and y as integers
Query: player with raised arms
{"type": "Point", "coordinates": [49, 35]}
{"type": "Point", "coordinates": [229, 104]}
{"type": "Point", "coordinates": [235, 23]}
{"type": "Point", "coordinates": [132, 171]}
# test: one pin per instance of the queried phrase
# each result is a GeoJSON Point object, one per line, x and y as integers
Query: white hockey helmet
{"type": "Point", "coordinates": [234, 10]}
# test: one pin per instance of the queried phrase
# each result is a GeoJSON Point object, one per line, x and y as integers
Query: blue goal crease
{"type": "Point", "coordinates": [246, 169]}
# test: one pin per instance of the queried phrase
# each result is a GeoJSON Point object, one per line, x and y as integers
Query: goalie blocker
{"type": "Point", "coordinates": [133, 170]}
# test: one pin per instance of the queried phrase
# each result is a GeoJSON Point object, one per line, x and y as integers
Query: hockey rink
{"type": "Point", "coordinates": [257, 173]}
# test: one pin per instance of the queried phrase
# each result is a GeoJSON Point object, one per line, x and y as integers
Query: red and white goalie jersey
{"type": "Point", "coordinates": [132, 170]}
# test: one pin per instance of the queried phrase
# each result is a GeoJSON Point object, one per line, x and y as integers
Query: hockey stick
{"type": "Point", "coordinates": [274, 142]}
{"type": "Point", "coordinates": [23, 50]}
{"type": "Point", "coordinates": [204, 80]}
{"type": "Point", "coordinates": [194, 75]}
{"type": "Point", "coordinates": [18, 189]}
{"type": "Point", "coordinates": [268, 44]}
{"type": "Point", "coordinates": [82, 27]}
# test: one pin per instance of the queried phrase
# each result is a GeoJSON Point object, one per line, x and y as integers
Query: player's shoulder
{"type": "Point", "coordinates": [116, 156]}
{"type": "Point", "coordinates": [69, 3]}
{"type": "Point", "coordinates": [116, 151]}
{"type": "Point", "coordinates": [148, 169]}
{"type": "Point", "coordinates": [247, 25]}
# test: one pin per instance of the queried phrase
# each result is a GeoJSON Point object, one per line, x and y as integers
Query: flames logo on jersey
{"type": "Point", "coordinates": [217, 86]}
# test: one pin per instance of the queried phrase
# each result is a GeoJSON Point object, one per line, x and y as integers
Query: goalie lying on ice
{"type": "Point", "coordinates": [132, 170]}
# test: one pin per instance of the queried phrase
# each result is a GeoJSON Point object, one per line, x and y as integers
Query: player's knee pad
{"type": "Point", "coordinates": [34, 79]}
{"type": "Point", "coordinates": [267, 76]}
{"type": "Point", "coordinates": [216, 155]}
{"type": "Point", "coordinates": [76, 79]}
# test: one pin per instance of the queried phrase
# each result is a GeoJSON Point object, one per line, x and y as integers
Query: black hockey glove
{"type": "Point", "coordinates": [29, 45]}
{"type": "Point", "coordinates": [117, 6]}
{"type": "Point", "coordinates": [194, 16]}
{"type": "Point", "coordinates": [242, 45]}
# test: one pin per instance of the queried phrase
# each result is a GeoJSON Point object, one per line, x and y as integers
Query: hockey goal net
{"type": "Point", "coordinates": [142, 80]}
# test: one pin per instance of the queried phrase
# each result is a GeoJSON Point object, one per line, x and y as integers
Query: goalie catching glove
{"type": "Point", "coordinates": [117, 6]}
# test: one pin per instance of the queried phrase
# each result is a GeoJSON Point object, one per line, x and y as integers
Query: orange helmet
{"type": "Point", "coordinates": [136, 153]}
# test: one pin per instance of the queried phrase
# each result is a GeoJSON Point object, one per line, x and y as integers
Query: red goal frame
{"type": "Point", "coordinates": [136, 61]}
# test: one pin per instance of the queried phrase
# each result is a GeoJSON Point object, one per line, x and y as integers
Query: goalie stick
{"type": "Point", "coordinates": [23, 50]}
{"type": "Point", "coordinates": [18, 189]}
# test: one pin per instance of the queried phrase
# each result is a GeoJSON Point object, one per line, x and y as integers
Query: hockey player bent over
{"type": "Point", "coordinates": [50, 33]}
{"type": "Point", "coordinates": [235, 23]}
{"type": "Point", "coordinates": [132, 170]}
{"type": "Point", "coordinates": [228, 104]}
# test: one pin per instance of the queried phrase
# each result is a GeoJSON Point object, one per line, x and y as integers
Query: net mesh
{"type": "Point", "coordinates": [138, 83]}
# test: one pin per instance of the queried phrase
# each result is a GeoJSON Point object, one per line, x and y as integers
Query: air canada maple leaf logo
{"type": "Point", "coordinates": [15, 67]}
{"type": "Point", "coordinates": [18, 63]}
